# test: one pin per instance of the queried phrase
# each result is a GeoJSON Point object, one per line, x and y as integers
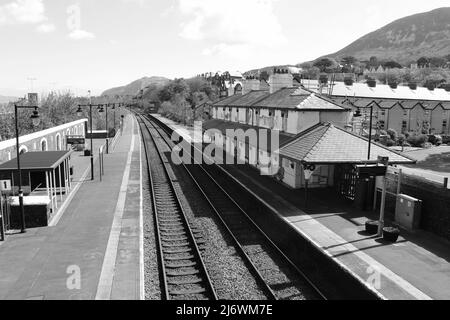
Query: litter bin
{"type": "Point", "coordinates": [87, 153]}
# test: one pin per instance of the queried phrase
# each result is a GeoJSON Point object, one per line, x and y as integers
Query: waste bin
{"type": "Point", "coordinates": [408, 212]}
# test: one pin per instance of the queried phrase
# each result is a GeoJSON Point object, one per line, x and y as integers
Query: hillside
{"type": "Point", "coordinates": [134, 87]}
{"type": "Point", "coordinates": [405, 40]}
{"type": "Point", "coordinates": [5, 99]}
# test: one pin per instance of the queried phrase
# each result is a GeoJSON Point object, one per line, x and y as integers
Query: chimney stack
{"type": "Point", "coordinates": [280, 79]}
{"type": "Point", "coordinates": [250, 84]}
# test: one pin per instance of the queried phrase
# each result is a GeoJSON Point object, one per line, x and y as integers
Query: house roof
{"type": "Point", "coordinates": [286, 98]}
{"type": "Point", "coordinates": [223, 126]}
{"type": "Point", "coordinates": [386, 92]}
{"type": "Point", "coordinates": [327, 144]}
{"type": "Point", "coordinates": [242, 100]}
{"type": "Point", "coordinates": [37, 161]}
{"type": "Point", "coordinates": [249, 99]}
{"type": "Point", "coordinates": [225, 102]}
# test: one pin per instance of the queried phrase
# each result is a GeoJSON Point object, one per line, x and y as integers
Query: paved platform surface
{"type": "Point", "coordinates": [416, 267]}
{"type": "Point", "coordinates": [94, 249]}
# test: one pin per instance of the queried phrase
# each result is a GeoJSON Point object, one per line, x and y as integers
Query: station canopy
{"type": "Point", "coordinates": [325, 144]}
{"type": "Point", "coordinates": [37, 161]}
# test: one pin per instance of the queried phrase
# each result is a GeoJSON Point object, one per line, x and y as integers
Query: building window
{"type": "Point", "coordinates": [444, 123]}
{"type": "Point", "coordinates": [404, 126]}
{"type": "Point", "coordinates": [383, 113]}
{"type": "Point", "coordinates": [292, 165]}
{"type": "Point", "coordinates": [405, 113]}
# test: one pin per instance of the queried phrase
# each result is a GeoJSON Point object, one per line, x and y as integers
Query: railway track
{"type": "Point", "coordinates": [184, 275]}
{"type": "Point", "coordinates": [277, 276]}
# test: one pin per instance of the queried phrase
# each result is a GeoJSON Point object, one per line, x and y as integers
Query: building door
{"type": "Point", "coordinates": [345, 178]}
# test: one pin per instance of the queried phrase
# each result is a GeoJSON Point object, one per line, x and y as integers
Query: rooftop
{"type": "Point", "coordinates": [327, 144]}
{"type": "Point", "coordinates": [39, 161]}
{"type": "Point", "coordinates": [286, 98]}
{"type": "Point", "coordinates": [386, 92]}
{"type": "Point", "coordinates": [223, 126]}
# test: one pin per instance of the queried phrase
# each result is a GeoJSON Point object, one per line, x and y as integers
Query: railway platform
{"type": "Point", "coordinates": [93, 246]}
{"type": "Point", "coordinates": [416, 267]}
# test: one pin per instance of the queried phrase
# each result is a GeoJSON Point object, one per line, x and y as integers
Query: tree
{"type": "Point", "coordinates": [438, 62]}
{"type": "Point", "coordinates": [348, 61]}
{"type": "Point", "coordinates": [311, 73]}
{"type": "Point", "coordinates": [392, 65]}
{"type": "Point", "coordinates": [423, 62]}
{"type": "Point", "coordinates": [373, 62]}
{"type": "Point", "coordinates": [325, 64]}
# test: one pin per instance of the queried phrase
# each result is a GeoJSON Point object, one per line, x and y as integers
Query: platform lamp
{"type": "Point", "coordinates": [79, 114]}
{"type": "Point", "coordinates": [32, 104]}
{"type": "Point", "coordinates": [358, 114]}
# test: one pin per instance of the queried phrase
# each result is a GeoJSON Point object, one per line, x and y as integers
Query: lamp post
{"type": "Point", "coordinates": [358, 115]}
{"type": "Point", "coordinates": [79, 113]}
{"type": "Point", "coordinates": [107, 125]}
{"type": "Point", "coordinates": [36, 120]}
{"type": "Point", "coordinates": [114, 109]}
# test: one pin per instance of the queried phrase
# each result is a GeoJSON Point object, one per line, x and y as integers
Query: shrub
{"type": "Point", "coordinates": [401, 139]}
{"type": "Point", "coordinates": [418, 141]}
{"type": "Point", "coordinates": [390, 143]}
{"type": "Point", "coordinates": [392, 134]}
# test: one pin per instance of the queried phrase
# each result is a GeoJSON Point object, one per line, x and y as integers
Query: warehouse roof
{"type": "Point", "coordinates": [37, 161]}
{"type": "Point", "coordinates": [327, 144]}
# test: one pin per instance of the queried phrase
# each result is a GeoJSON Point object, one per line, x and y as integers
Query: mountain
{"type": "Point", "coordinates": [134, 87]}
{"type": "Point", "coordinates": [405, 40]}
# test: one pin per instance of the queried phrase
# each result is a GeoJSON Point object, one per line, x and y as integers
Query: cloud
{"type": "Point", "coordinates": [22, 12]}
{"type": "Point", "coordinates": [233, 25]}
{"type": "Point", "coordinates": [79, 34]}
{"type": "Point", "coordinates": [46, 28]}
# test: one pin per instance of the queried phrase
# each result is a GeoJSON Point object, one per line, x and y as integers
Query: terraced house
{"type": "Point", "coordinates": [402, 108]}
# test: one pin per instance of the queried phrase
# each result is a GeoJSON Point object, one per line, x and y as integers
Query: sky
{"type": "Point", "coordinates": [82, 45]}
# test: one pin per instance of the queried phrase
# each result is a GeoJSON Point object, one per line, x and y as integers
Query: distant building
{"type": "Point", "coordinates": [404, 109]}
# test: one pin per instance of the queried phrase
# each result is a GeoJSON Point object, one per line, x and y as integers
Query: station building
{"type": "Point", "coordinates": [312, 131]}
{"type": "Point", "coordinates": [53, 139]}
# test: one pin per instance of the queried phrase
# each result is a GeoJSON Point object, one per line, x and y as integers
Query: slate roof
{"type": "Point", "coordinates": [225, 102]}
{"type": "Point", "coordinates": [223, 126]}
{"type": "Point", "coordinates": [386, 92]}
{"type": "Point", "coordinates": [38, 161]}
{"type": "Point", "coordinates": [249, 99]}
{"type": "Point", "coordinates": [327, 144]}
{"type": "Point", "coordinates": [286, 98]}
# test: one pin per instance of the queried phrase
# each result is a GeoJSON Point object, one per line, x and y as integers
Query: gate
{"type": "Point", "coordinates": [5, 210]}
{"type": "Point", "coordinates": [346, 177]}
